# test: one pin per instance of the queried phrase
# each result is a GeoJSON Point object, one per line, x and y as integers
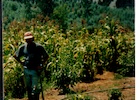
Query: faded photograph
{"type": "Point", "coordinates": [68, 49]}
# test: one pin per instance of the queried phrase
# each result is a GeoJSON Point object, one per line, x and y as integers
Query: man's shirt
{"type": "Point", "coordinates": [33, 54]}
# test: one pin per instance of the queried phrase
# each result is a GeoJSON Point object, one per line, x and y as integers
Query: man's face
{"type": "Point", "coordinates": [29, 41]}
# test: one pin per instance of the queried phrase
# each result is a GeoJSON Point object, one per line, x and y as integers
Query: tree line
{"type": "Point", "coordinates": [66, 12]}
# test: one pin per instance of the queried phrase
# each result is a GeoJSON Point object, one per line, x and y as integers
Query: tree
{"type": "Point", "coordinates": [86, 5]}
{"type": "Point", "coordinates": [60, 14]}
{"type": "Point", "coordinates": [105, 2]}
{"type": "Point", "coordinates": [46, 6]}
{"type": "Point", "coordinates": [124, 3]}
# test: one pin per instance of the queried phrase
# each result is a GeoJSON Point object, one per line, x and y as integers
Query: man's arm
{"type": "Point", "coordinates": [18, 59]}
{"type": "Point", "coordinates": [18, 54]}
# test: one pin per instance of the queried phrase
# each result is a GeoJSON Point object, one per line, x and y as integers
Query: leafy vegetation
{"type": "Point", "coordinates": [79, 97]}
{"type": "Point", "coordinates": [115, 94]}
{"type": "Point", "coordinates": [79, 46]}
{"type": "Point", "coordinates": [74, 56]}
{"type": "Point", "coordinates": [84, 13]}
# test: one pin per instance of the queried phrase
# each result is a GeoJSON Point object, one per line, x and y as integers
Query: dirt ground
{"type": "Point", "coordinates": [98, 89]}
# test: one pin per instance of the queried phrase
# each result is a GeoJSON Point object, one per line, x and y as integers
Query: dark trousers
{"type": "Point", "coordinates": [32, 80]}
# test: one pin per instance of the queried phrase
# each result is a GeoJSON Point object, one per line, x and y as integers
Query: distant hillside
{"type": "Point", "coordinates": [66, 12]}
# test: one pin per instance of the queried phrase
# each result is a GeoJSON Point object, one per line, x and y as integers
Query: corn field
{"type": "Point", "coordinates": [75, 56]}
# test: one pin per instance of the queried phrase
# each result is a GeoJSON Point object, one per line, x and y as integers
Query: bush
{"type": "Point", "coordinates": [115, 94]}
{"type": "Point", "coordinates": [12, 10]}
{"type": "Point", "coordinates": [60, 14]}
{"type": "Point", "coordinates": [79, 97]}
{"type": "Point", "coordinates": [14, 84]}
{"type": "Point", "coordinates": [127, 71]}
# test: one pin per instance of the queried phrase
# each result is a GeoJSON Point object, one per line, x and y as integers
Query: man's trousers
{"type": "Point", "coordinates": [32, 82]}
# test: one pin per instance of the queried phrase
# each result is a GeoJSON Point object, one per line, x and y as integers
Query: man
{"type": "Point", "coordinates": [34, 57]}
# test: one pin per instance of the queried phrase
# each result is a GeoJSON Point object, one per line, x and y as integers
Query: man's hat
{"type": "Point", "coordinates": [28, 35]}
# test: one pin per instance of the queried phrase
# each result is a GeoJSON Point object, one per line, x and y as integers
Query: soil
{"type": "Point", "coordinates": [98, 89]}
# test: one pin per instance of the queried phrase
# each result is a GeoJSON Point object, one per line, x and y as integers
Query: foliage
{"type": "Point", "coordinates": [46, 6]}
{"type": "Point", "coordinates": [118, 40]}
{"type": "Point", "coordinates": [12, 10]}
{"type": "Point", "coordinates": [67, 13]}
{"type": "Point", "coordinates": [127, 70]}
{"type": "Point", "coordinates": [126, 3]}
{"type": "Point", "coordinates": [14, 84]}
{"type": "Point", "coordinates": [74, 55]}
{"type": "Point", "coordinates": [15, 10]}
{"type": "Point", "coordinates": [60, 14]}
{"type": "Point", "coordinates": [118, 76]}
{"type": "Point", "coordinates": [115, 94]}
{"type": "Point", "coordinates": [82, 39]}
{"type": "Point", "coordinates": [78, 97]}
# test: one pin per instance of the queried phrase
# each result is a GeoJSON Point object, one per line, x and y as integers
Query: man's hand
{"type": "Point", "coordinates": [22, 63]}
{"type": "Point", "coordinates": [39, 70]}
